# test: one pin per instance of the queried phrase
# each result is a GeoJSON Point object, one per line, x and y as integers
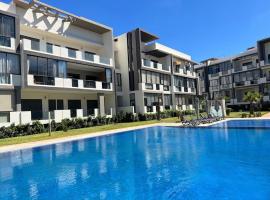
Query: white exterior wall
{"type": "Point", "coordinates": [122, 58]}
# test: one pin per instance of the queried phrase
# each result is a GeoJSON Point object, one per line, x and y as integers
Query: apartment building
{"type": "Point", "coordinates": [231, 78]}
{"type": "Point", "coordinates": [151, 74]}
{"type": "Point", "coordinates": [54, 61]}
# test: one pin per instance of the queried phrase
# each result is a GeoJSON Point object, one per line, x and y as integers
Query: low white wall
{"type": "Point", "coordinates": [126, 109]}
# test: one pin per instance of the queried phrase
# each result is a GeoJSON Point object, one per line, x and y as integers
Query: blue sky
{"type": "Point", "coordinates": [203, 29]}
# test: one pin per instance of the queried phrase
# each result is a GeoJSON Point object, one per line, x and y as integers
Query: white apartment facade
{"type": "Point", "coordinates": [231, 78]}
{"type": "Point", "coordinates": [53, 61]}
{"type": "Point", "coordinates": [152, 74]}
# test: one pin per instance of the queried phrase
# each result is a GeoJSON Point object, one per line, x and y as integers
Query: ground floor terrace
{"type": "Point", "coordinates": [147, 102]}
{"type": "Point", "coordinates": [44, 104]}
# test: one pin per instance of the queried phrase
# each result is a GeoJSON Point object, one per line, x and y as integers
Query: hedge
{"type": "Point", "coordinates": [68, 124]}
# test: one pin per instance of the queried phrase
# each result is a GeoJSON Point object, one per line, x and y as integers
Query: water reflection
{"type": "Point", "coordinates": [146, 164]}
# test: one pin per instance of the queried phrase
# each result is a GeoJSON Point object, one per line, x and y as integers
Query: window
{"type": "Point", "coordinates": [49, 48]}
{"type": "Point", "coordinates": [89, 56]}
{"type": "Point", "coordinates": [62, 69]}
{"type": "Point", "coordinates": [35, 44]}
{"type": "Point", "coordinates": [7, 29]}
{"type": "Point", "coordinates": [52, 67]}
{"type": "Point", "coordinates": [246, 63]}
{"type": "Point", "coordinates": [46, 67]}
{"type": "Point", "coordinates": [56, 104]}
{"type": "Point", "coordinates": [32, 64]}
{"type": "Point", "coordinates": [9, 64]}
{"type": "Point", "coordinates": [72, 52]}
{"type": "Point", "coordinates": [108, 75]}
{"type": "Point", "coordinates": [118, 79]}
{"type": "Point", "coordinates": [167, 100]}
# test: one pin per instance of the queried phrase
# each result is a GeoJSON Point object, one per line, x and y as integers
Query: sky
{"type": "Point", "coordinates": [200, 28]}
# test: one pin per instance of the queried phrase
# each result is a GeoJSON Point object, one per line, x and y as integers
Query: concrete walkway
{"type": "Point", "coordinates": [267, 116]}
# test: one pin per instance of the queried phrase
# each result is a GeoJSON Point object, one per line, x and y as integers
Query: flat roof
{"type": "Point", "coordinates": [147, 37]}
{"type": "Point", "coordinates": [75, 20]}
{"type": "Point", "coordinates": [162, 50]}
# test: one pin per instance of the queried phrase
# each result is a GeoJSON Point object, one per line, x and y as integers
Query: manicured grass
{"type": "Point", "coordinates": [239, 114]}
{"type": "Point", "coordinates": [59, 134]}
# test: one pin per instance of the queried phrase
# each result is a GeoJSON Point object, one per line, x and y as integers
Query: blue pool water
{"type": "Point", "coordinates": [154, 163]}
{"type": "Point", "coordinates": [262, 123]}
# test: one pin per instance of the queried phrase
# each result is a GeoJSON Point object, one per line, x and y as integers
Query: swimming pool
{"type": "Point", "coordinates": [151, 163]}
{"type": "Point", "coordinates": [244, 123]}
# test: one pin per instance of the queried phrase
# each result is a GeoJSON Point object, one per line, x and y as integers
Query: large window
{"type": "Point", "coordinates": [118, 82]}
{"type": "Point", "coordinates": [151, 99]}
{"type": "Point", "coordinates": [247, 76]}
{"type": "Point", "coordinates": [46, 67]}
{"type": "Point", "coordinates": [155, 78]}
{"type": "Point", "coordinates": [167, 99]}
{"type": "Point", "coordinates": [7, 29]}
{"type": "Point", "coordinates": [9, 64]}
{"type": "Point", "coordinates": [108, 75]}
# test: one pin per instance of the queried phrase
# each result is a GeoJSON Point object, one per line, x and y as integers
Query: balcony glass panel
{"type": "Point", "coordinates": [75, 83]}
{"type": "Point", "coordinates": [89, 56]}
{"type": "Point", "coordinates": [43, 80]}
{"type": "Point", "coordinates": [146, 63]}
{"type": "Point", "coordinates": [104, 60]}
{"type": "Point", "coordinates": [49, 48]}
{"type": "Point", "coordinates": [106, 85]}
{"type": "Point", "coordinates": [148, 86]}
{"type": "Point", "coordinates": [35, 44]}
{"type": "Point", "coordinates": [72, 53]}
{"type": "Point", "coordinates": [5, 41]}
{"type": "Point", "coordinates": [89, 84]}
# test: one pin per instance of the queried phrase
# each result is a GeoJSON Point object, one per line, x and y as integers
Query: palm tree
{"type": "Point", "coordinates": [253, 98]}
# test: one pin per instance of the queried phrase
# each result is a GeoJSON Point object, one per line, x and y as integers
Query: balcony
{"type": "Point", "coordinates": [245, 68]}
{"type": "Point", "coordinates": [155, 87]}
{"type": "Point", "coordinates": [57, 82]}
{"type": "Point", "coordinates": [10, 79]}
{"type": "Point", "coordinates": [153, 65]}
{"type": "Point", "coordinates": [73, 54]}
{"type": "Point", "coordinates": [187, 90]}
{"type": "Point", "coordinates": [246, 83]}
{"type": "Point", "coordinates": [226, 86]}
{"type": "Point", "coordinates": [183, 72]}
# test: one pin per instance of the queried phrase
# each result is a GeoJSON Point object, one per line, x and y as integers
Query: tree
{"type": "Point", "coordinates": [253, 98]}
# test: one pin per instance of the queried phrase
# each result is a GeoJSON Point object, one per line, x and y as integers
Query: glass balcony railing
{"type": "Point", "coordinates": [89, 84]}
{"type": "Point", "coordinates": [106, 85]}
{"type": "Point", "coordinates": [149, 86]}
{"type": "Point", "coordinates": [75, 83]}
{"type": "Point", "coordinates": [43, 80]}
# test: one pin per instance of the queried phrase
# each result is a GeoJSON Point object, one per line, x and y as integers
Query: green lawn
{"type": "Point", "coordinates": [239, 114]}
{"type": "Point", "coordinates": [59, 134]}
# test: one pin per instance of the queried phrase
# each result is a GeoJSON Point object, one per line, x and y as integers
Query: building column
{"type": "Point", "coordinates": [101, 104]}
{"type": "Point", "coordinates": [17, 98]}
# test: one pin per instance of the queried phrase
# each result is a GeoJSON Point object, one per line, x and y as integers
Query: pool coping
{"type": "Point", "coordinates": [28, 145]}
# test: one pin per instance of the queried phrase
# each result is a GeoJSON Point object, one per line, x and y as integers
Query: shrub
{"type": "Point", "coordinates": [244, 115]}
{"type": "Point", "coordinates": [37, 127]}
{"type": "Point", "coordinates": [65, 124]}
{"type": "Point", "coordinates": [258, 114]}
{"type": "Point", "coordinates": [79, 123]}
{"type": "Point", "coordinates": [228, 111]}
{"type": "Point", "coordinates": [141, 117]}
